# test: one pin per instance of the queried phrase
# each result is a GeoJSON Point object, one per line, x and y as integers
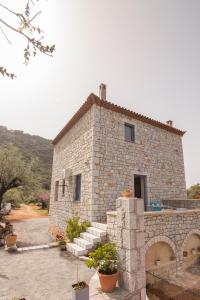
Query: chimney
{"type": "Point", "coordinates": [170, 123]}
{"type": "Point", "coordinates": [102, 91]}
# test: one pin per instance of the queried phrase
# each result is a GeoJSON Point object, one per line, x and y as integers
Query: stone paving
{"type": "Point", "coordinates": [40, 274]}
{"type": "Point", "coordinates": [32, 232]}
{"type": "Point", "coordinates": [45, 273]}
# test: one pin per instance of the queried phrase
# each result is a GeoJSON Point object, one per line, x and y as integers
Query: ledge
{"type": "Point", "coordinates": [112, 213]}
{"type": "Point", "coordinates": [171, 212]}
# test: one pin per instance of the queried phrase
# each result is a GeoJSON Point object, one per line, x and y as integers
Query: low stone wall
{"type": "Point", "coordinates": [112, 226]}
{"type": "Point", "coordinates": [172, 227]}
{"type": "Point", "coordinates": [189, 204]}
{"type": "Point", "coordinates": [163, 271]}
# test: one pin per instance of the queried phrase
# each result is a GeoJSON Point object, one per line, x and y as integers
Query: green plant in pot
{"type": "Point", "coordinates": [105, 260]}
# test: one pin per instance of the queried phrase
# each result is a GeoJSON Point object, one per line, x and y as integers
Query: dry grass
{"type": "Point", "coordinates": [26, 212]}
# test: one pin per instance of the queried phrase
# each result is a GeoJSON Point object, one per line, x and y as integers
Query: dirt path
{"type": "Point", "coordinates": [25, 212]}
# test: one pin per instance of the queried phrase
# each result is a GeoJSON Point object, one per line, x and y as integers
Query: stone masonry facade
{"type": "Point", "coordinates": [130, 243]}
{"type": "Point", "coordinates": [174, 228]}
{"type": "Point", "coordinates": [74, 152]}
{"type": "Point", "coordinates": [95, 147]}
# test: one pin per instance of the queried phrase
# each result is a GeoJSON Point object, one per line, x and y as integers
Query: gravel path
{"type": "Point", "coordinates": [32, 232]}
{"type": "Point", "coordinates": [39, 274]}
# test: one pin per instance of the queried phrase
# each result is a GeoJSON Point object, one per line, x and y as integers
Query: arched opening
{"type": "Point", "coordinates": [191, 245]}
{"type": "Point", "coordinates": [159, 254]}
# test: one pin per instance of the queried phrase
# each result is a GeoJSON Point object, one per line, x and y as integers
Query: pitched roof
{"type": "Point", "coordinates": [93, 99]}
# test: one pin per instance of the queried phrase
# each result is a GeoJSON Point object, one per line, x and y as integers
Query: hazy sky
{"type": "Point", "coordinates": [146, 51]}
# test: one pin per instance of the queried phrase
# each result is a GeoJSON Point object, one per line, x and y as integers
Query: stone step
{"type": "Point", "coordinates": [83, 243]}
{"type": "Point", "coordinates": [90, 237]}
{"type": "Point", "coordinates": [76, 250]}
{"type": "Point", "coordinates": [99, 225]}
{"type": "Point", "coordinates": [96, 231]}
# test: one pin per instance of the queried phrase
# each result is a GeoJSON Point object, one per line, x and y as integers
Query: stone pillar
{"type": "Point", "coordinates": [130, 243]}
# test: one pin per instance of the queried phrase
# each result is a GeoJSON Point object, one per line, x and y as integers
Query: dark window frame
{"type": "Point", "coordinates": [132, 127]}
{"type": "Point", "coordinates": [63, 188]}
{"type": "Point", "coordinates": [77, 191]}
{"type": "Point", "coordinates": [56, 190]}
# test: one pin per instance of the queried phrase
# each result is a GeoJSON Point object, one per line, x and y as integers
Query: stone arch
{"type": "Point", "coordinates": [161, 238]}
{"type": "Point", "coordinates": [162, 248]}
{"type": "Point", "coordinates": [189, 234]}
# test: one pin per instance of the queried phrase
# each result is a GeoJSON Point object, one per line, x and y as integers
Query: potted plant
{"type": "Point", "coordinates": [11, 240]}
{"type": "Point", "coordinates": [105, 260]}
{"type": "Point", "coordinates": [185, 253]}
{"type": "Point", "coordinates": [80, 290]}
{"type": "Point", "coordinates": [157, 262]}
{"type": "Point", "coordinates": [127, 193]}
{"type": "Point", "coordinates": [62, 245]}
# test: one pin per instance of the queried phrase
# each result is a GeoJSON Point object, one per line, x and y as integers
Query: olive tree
{"type": "Point", "coordinates": [15, 172]}
{"type": "Point", "coordinates": [32, 34]}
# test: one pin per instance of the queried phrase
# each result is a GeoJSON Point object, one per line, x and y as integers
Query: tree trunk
{"type": "Point", "coordinates": [1, 199]}
{"type": "Point", "coordinates": [2, 192]}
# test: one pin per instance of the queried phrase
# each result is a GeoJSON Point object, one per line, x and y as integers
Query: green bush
{"type": "Point", "coordinates": [74, 228]}
{"type": "Point", "coordinates": [104, 259]}
{"type": "Point", "coordinates": [13, 196]}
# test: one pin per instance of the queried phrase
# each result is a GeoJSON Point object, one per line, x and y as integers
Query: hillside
{"type": "Point", "coordinates": [31, 146]}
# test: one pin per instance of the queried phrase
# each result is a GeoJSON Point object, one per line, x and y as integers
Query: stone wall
{"type": "Point", "coordinates": [172, 227]}
{"type": "Point", "coordinates": [112, 226]}
{"type": "Point", "coordinates": [156, 154]}
{"type": "Point", "coordinates": [130, 244]}
{"type": "Point", "coordinates": [73, 151]}
{"type": "Point", "coordinates": [182, 203]}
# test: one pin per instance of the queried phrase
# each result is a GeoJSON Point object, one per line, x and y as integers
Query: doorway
{"type": "Point", "coordinates": [140, 189]}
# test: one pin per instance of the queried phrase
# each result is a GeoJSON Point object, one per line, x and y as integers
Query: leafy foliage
{"type": "Point", "coordinates": [33, 148]}
{"type": "Point", "coordinates": [75, 227]}
{"type": "Point", "coordinates": [104, 259]}
{"type": "Point", "coordinates": [13, 196]}
{"type": "Point", "coordinates": [14, 171]}
{"type": "Point", "coordinates": [43, 199]}
{"type": "Point", "coordinates": [194, 192]}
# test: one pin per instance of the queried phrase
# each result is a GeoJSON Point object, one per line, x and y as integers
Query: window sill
{"type": "Point", "coordinates": [132, 142]}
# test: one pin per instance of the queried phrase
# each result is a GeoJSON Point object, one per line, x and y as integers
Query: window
{"type": "Point", "coordinates": [129, 133]}
{"type": "Point", "coordinates": [56, 191]}
{"type": "Point", "coordinates": [63, 187]}
{"type": "Point", "coordinates": [77, 188]}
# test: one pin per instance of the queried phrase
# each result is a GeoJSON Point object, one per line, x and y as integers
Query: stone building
{"type": "Point", "coordinates": [106, 148]}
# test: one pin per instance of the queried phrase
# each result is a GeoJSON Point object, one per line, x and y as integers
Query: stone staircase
{"type": "Point", "coordinates": [87, 240]}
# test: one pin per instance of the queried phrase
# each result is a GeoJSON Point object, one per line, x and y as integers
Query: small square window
{"type": "Point", "coordinates": [56, 191]}
{"type": "Point", "coordinates": [129, 133]}
{"type": "Point", "coordinates": [77, 196]}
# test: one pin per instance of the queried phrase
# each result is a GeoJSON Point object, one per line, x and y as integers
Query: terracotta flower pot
{"type": "Point", "coordinates": [108, 282]}
{"type": "Point", "coordinates": [127, 194]}
{"type": "Point", "coordinates": [11, 240]}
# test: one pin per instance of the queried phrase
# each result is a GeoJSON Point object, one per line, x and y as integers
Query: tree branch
{"type": "Point", "coordinates": [31, 33]}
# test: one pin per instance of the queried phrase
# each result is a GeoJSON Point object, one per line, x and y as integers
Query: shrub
{"type": "Point", "coordinates": [104, 259]}
{"type": "Point", "coordinates": [43, 199]}
{"type": "Point", "coordinates": [74, 228]}
{"type": "Point", "coordinates": [14, 197]}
